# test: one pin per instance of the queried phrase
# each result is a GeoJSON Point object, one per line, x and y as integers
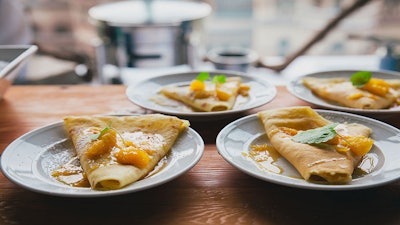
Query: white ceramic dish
{"type": "Point", "coordinates": [297, 88]}
{"type": "Point", "coordinates": [261, 92]}
{"type": "Point", "coordinates": [29, 161]}
{"type": "Point", "coordinates": [234, 141]}
{"type": "Point", "coordinates": [13, 56]}
{"type": "Point", "coordinates": [12, 59]}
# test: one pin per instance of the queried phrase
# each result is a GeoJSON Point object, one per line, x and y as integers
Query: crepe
{"type": "Point", "coordinates": [315, 162]}
{"type": "Point", "coordinates": [116, 151]}
{"type": "Point", "coordinates": [342, 91]}
{"type": "Point", "coordinates": [214, 97]}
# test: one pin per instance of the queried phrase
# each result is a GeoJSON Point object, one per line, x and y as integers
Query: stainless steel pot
{"type": "Point", "coordinates": [152, 33]}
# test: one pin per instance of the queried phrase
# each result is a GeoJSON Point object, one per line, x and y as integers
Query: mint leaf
{"type": "Point", "coordinates": [360, 78]}
{"type": "Point", "coordinates": [96, 136]}
{"type": "Point", "coordinates": [203, 76]}
{"type": "Point", "coordinates": [317, 135]}
{"type": "Point", "coordinates": [219, 79]}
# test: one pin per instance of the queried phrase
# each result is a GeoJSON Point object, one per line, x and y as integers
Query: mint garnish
{"type": "Point", "coordinates": [317, 135]}
{"type": "Point", "coordinates": [360, 78]}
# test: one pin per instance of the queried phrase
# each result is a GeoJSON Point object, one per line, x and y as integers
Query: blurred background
{"type": "Point", "coordinates": [68, 39]}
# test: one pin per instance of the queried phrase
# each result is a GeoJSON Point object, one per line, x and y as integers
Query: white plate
{"type": "Point", "coordinates": [237, 137]}
{"type": "Point", "coordinates": [29, 161]}
{"type": "Point", "coordinates": [297, 88]}
{"type": "Point", "coordinates": [261, 92]}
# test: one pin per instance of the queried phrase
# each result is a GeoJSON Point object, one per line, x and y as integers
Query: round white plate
{"type": "Point", "coordinates": [236, 138]}
{"type": "Point", "coordinates": [261, 92]}
{"type": "Point", "coordinates": [297, 88]}
{"type": "Point", "coordinates": [29, 161]}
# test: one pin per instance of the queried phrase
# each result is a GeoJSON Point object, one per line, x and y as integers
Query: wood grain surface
{"type": "Point", "coordinates": [212, 192]}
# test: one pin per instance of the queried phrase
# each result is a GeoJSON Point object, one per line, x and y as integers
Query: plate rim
{"type": "Point", "coordinates": [198, 151]}
{"type": "Point", "coordinates": [274, 178]}
{"type": "Point", "coordinates": [165, 110]}
{"type": "Point", "coordinates": [295, 83]}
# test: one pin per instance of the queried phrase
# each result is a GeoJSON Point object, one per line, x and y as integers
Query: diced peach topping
{"type": "Point", "coordinates": [359, 145]}
{"type": "Point", "coordinates": [102, 145]}
{"type": "Point", "coordinates": [197, 85]}
{"type": "Point", "coordinates": [244, 89]}
{"type": "Point", "coordinates": [133, 145]}
{"type": "Point", "coordinates": [263, 147]}
{"type": "Point", "coordinates": [334, 141]}
{"type": "Point", "coordinates": [128, 143]}
{"type": "Point", "coordinates": [377, 86]}
{"type": "Point", "coordinates": [133, 156]}
{"type": "Point", "coordinates": [289, 131]}
{"type": "Point", "coordinates": [222, 95]}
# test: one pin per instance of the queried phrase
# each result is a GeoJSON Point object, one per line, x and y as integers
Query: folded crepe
{"type": "Point", "coordinates": [315, 162]}
{"type": "Point", "coordinates": [104, 143]}
{"type": "Point", "coordinates": [207, 102]}
{"type": "Point", "coordinates": [342, 92]}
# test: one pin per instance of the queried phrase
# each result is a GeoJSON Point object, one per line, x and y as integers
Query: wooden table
{"type": "Point", "coordinates": [212, 192]}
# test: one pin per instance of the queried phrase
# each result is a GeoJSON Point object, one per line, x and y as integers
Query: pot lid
{"type": "Point", "coordinates": [149, 12]}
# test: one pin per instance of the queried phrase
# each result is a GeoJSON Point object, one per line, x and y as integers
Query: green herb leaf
{"type": "Point", "coordinates": [219, 79]}
{"type": "Point", "coordinates": [96, 136]}
{"type": "Point", "coordinates": [360, 78]}
{"type": "Point", "coordinates": [317, 135]}
{"type": "Point", "coordinates": [203, 76]}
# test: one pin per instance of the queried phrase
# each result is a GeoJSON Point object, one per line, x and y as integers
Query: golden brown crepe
{"type": "Point", "coordinates": [206, 100]}
{"type": "Point", "coordinates": [341, 91]}
{"type": "Point", "coordinates": [315, 162]}
{"type": "Point", "coordinates": [116, 151]}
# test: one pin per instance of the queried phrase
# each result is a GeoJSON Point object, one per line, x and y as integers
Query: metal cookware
{"type": "Point", "coordinates": [152, 33]}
